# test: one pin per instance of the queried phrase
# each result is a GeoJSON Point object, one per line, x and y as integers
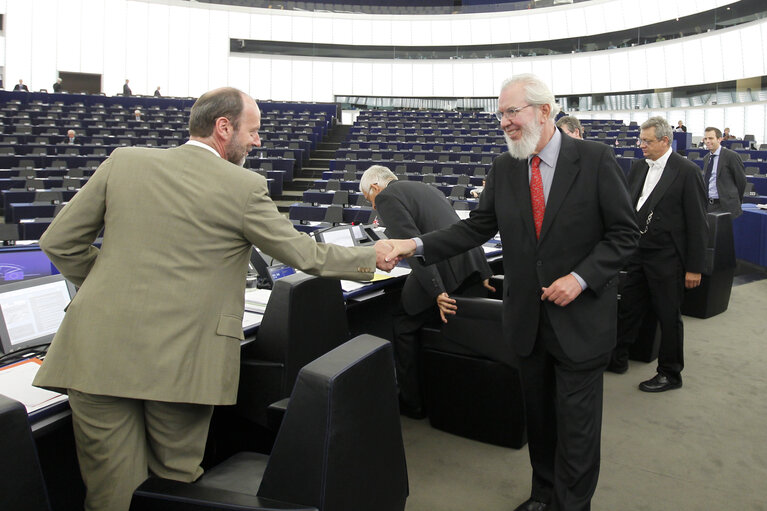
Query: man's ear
{"type": "Point", "coordinates": [223, 128]}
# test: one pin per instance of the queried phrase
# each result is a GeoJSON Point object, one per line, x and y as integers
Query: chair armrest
{"type": "Point", "coordinates": [156, 494]}
{"type": "Point", "coordinates": [275, 412]}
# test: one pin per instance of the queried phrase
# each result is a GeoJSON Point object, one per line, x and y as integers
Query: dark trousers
{"type": "Point", "coordinates": [654, 281]}
{"type": "Point", "coordinates": [563, 400]}
{"type": "Point", "coordinates": [406, 353]}
{"type": "Point", "coordinates": [407, 347]}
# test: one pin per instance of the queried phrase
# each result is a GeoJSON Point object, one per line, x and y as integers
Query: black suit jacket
{"type": "Point", "coordinates": [21, 87]}
{"type": "Point", "coordinates": [588, 227]}
{"type": "Point", "coordinates": [126, 90]}
{"type": "Point", "coordinates": [678, 206]}
{"type": "Point", "coordinates": [730, 180]}
{"type": "Point", "coordinates": [410, 209]}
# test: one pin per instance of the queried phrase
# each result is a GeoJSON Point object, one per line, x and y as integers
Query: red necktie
{"type": "Point", "coordinates": [536, 195]}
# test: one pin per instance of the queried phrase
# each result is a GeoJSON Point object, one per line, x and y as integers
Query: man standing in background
{"type": "Point", "coordinates": [724, 175]}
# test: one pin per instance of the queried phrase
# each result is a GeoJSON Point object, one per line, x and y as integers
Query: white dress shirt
{"type": "Point", "coordinates": [653, 176]}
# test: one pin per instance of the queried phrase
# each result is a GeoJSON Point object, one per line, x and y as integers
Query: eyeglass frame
{"type": "Point", "coordinates": [510, 113]}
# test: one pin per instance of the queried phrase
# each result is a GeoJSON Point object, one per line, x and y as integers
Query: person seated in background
{"type": "Point", "coordinates": [57, 85]}
{"type": "Point", "coordinates": [157, 92]}
{"type": "Point", "coordinates": [727, 136]}
{"type": "Point", "coordinates": [21, 86]}
{"type": "Point", "coordinates": [71, 137]}
{"type": "Point", "coordinates": [137, 115]}
{"type": "Point", "coordinates": [413, 208]}
{"type": "Point", "coordinates": [571, 126]}
{"type": "Point", "coordinates": [680, 127]}
{"type": "Point", "coordinates": [476, 192]}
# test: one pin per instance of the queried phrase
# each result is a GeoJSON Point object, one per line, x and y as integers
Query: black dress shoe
{"type": "Point", "coordinates": [613, 367]}
{"type": "Point", "coordinates": [660, 383]}
{"type": "Point", "coordinates": [532, 505]}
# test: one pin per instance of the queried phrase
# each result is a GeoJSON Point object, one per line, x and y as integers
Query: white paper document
{"type": "Point", "coordinates": [16, 383]}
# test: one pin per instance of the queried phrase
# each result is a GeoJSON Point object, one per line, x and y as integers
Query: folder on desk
{"type": "Point", "coordinates": [16, 383]}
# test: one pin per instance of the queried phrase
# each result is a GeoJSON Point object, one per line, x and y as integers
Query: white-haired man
{"type": "Point", "coordinates": [566, 223]}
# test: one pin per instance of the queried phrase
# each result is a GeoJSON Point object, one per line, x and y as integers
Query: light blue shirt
{"type": "Point", "coordinates": [713, 193]}
{"type": "Point", "coordinates": [549, 156]}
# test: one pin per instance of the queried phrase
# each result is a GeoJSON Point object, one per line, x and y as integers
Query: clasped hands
{"type": "Point", "coordinates": [386, 253]}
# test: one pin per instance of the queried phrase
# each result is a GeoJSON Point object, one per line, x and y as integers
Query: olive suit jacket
{"type": "Point", "coordinates": [588, 227]}
{"type": "Point", "coordinates": [158, 315]}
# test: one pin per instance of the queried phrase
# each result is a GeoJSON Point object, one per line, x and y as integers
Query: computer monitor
{"type": "Point", "coordinates": [268, 273]}
{"type": "Point", "coordinates": [32, 310]}
{"type": "Point", "coordinates": [346, 235]}
{"type": "Point", "coordinates": [22, 263]}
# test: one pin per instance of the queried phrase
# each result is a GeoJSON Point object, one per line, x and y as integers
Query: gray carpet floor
{"type": "Point", "coordinates": [702, 447]}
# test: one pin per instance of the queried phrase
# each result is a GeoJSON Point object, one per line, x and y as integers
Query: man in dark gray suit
{"type": "Point", "coordinates": [567, 226]}
{"type": "Point", "coordinates": [725, 177]}
{"type": "Point", "coordinates": [413, 208]}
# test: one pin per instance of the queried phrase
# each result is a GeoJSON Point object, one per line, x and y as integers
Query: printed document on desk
{"type": "Point", "coordinates": [351, 285]}
{"type": "Point", "coordinates": [16, 383]}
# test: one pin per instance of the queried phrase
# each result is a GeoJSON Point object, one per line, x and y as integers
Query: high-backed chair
{"type": "Point", "coordinates": [339, 447]}
{"type": "Point", "coordinates": [713, 295]}
{"type": "Point", "coordinates": [21, 479]}
{"type": "Point", "coordinates": [305, 318]}
{"type": "Point", "coordinates": [471, 385]}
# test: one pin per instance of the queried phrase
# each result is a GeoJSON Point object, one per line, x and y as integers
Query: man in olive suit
{"type": "Point", "coordinates": [151, 341]}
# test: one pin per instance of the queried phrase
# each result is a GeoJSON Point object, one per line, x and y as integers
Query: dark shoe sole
{"type": "Point", "coordinates": [617, 370]}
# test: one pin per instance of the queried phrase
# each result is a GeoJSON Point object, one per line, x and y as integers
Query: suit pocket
{"type": "Point", "coordinates": [230, 326]}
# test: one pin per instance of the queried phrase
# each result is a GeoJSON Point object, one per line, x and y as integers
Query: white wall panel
{"type": "Point", "coordinates": [137, 68]}
{"type": "Point", "coordinates": [696, 121]}
{"type": "Point", "coordinates": [282, 80]}
{"type": "Point", "coordinates": [620, 71]}
{"type": "Point", "coordinates": [302, 29]}
{"type": "Point", "coordinates": [198, 51]}
{"type": "Point", "coordinates": [580, 72]}
{"type": "Point", "coordinates": [261, 27]}
{"type": "Point", "coordinates": [179, 59]}
{"type": "Point", "coordinates": [322, 80]}
{"type": "Point", "coordinates": [462, 31]}
{"type": "Point", "coordinates": [218, 50]}
{"type": "Point", "coordinates": [402, 78]}
{"type": "Point", "coordinates": [601, 73]}
{"type": "Point", "coordinates": [362, 79]}
{"type": "Point", "coordinates": [261, 78]}
{"type": "Point", "coordinates": [561, 80]}
{"type": "Point", "coordinates": [115, 41]}
{"type": "Point", "coordinates": [543, 69]}
{"type": "Point", "coordinates": [714, 117]}
{"type": "Point", "coordinates": [673, 62]}
{"type": "Point", "coordinates": [402, 32]}
{"type": "Point", "coordinates": [382, 79]}
{"type": "Point", "coordinates": [282, 29]}
{"type": "Point", "coordinates": [693, 62]}
{"type": "Point", "coordinates": [481, 74]}
{"type": "Point", "coordinates": [500, 30]}
{"type": "Point", "coordinates": [65, 26]}
{"type": "Point", "coordinates": [734, 117]}
{"type": "Point", "coordinates": [323, 30]}
{"type": "Point", "coordinates": [343, 80]}
{"type": "Point", "coordinates": [342, 31]}
{"type": "Point", "coordinates": [43, 72]}
{"type": "Point", "coordinates": [755, 122]}
{"type": "Point", "coordinates": [363, 32]}
{"type": "Point", "coordinates": [238, 72]}
{"type": "Point", "coordinates": [239, 25]}
{"type": "Point", "coordinates": [443, 34]}
{"type": "Point", "coordinates": [732, 63]}
{"type": "Point", "coordinates": [460, 75]}
{"type": "Point", "coordinates": [751, 37]}
{"type": "Point", "coordinates": [443, 81]}
{"type": "Point", "coordinates": [481, 31]}
{"type": "Point", "coordinates": [502, 70]}
{"type": "Point", "coordinates": [301, 83]}
{"type": "Point", "coordinates": [713, 54]}
{"type": "Point", "coordinates": [421, 32]}
{"type": "Point", "coordinates": [423, 76]}
{"type": "Point", "coordinates": [158, 54]}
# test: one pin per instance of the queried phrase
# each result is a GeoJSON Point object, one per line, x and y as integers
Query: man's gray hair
{"type": "Point", "coordinates": [536, 91]}
{"type": "Point", "coordinates": [662, 128]}
{"type": "Point", "coordinates": [572, 124]}
{"type": "Point", "coordinates": [376, 175]}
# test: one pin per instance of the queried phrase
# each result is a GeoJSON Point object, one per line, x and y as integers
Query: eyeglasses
{"type": "Point", "coordinates": [509, 113]}
{"type": "Point", "coordinates": [642, 141]}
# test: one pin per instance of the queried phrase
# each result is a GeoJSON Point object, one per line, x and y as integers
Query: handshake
{"type": "Point", "coordinates": [391, 252]}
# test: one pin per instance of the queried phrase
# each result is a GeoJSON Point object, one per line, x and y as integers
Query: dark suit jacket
{"type": "Point", "coordinates": [588, 228]}
{"type": "Point", "coordinates": [21, 87]}
{"type": "Point", "coordinates": [126, 90]}
{"type": "Point", "coordinates": [410, 209]}
{"type": "Point", "coordinates": [679, 212]}
{"type": "Point", "coordinates": [730, 180]}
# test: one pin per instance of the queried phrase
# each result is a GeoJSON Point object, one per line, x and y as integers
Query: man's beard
{"type": "Point", "coordinates": [525, 146]}
{"type": "Point", "coordinates": [235, 154]}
